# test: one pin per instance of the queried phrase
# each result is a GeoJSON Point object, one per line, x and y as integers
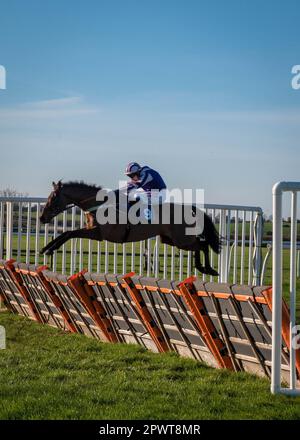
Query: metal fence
{"type": "Point", "coordinates": [277, 281]}
{"type": "Point", "coordinates": [22, 236]}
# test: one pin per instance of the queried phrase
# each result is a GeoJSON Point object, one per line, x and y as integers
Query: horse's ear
{"type": "Point", "coordinates": [59, 184]}
{"type": "Point", "coordinates": [54, 185]}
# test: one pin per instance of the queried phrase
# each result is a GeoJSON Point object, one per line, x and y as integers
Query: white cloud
{"type": "Point", "coordinates": [47, 109]}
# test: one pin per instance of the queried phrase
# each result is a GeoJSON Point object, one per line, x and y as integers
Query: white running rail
{"type": "Point", "coordinates": [22, 236]}
{"type": "Point", "coordinates": [278, 190]}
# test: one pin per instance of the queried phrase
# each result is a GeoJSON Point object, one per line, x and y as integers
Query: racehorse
{"type": "Point", "coordinates": [83, 196]}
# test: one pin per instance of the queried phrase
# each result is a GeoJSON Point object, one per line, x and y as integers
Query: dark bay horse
{"type": "Point", "coordinates": [83, 196]}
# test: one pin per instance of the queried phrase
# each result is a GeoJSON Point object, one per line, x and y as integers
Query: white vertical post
{"type": "Point", "coordinates": [173, 263]}
{"type": "Point", "coordinates": [165, 261]}
{"type": "Point", "coordinates": [63, 261]}
{"type": "Point", "coordinates": [156, 274]}
{"type": "Point", "coordinates": [19, 231]}
{"type": "Point", "coordinates": [212, 255]}
{"type": "Point", "coordinates": [148, 257]}
{"type": "Point", "coordinates": [278, 190]}
{"type": "Point", "coordinates": [277, 289]}
{"type": "Point", "coordinates": [141, 256]}
{"type": "Point", "coordinates": [106, 262]}
{"type": "Point", "coordinates": [54, 259]}
{"type": "Point", "coordinates": [90, 258]}
{"type": "Point", "coordinates": [73, 250]}
{"type": "Point", "coordinates": [9, 229]}
{"type": "Point", "coordinates": [236, 244]}
{"type": "Point", "coordinates": [98, 256]}
{"type": "Point", "coordinates": [46, 235]}
{"type": "Point", "coordinates": [28, 234]}
{"type": "Point", "coordinates": [81, 242]}
{"type": "Point", "coordinates": [124, 258]}
{"type": "Point", "coordinates": [189, 263]}
{"type": "Point", "coordinates": [258, 243]}
{"type": "Point", "coordinates": [223, 269]}
{"type": "Point", "coordinates": [293, 287]}
{"type": "Point", "coordinates": [115, 258]}
{"type": "Point", "coordinates": [228, 224]}
{"type": "Point", "coordinates": [243, 248]}
{"type": "Point", "coordinates": [250, 248]}
{"type": "Point", "coordinates": [37, 235]}
{"type": "Point", "coordinates": [132, 257]}
{"type": "Point", "coordinates": [180, 274]}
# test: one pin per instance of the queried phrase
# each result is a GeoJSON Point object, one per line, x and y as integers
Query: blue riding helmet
{"type": "Point", "coordinates": [132, 168]}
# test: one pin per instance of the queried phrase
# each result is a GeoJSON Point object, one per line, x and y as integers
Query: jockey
{"type": "Point", "coordinates": [143, 181]}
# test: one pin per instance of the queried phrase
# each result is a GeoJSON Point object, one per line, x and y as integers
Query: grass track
{"type": "Point", "coordinates": [48, 374]}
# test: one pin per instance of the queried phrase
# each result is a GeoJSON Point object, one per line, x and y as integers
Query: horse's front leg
{"type": "Point", "coordinates": [93, 234]}
{"type": "Point", "coordinates": [54, 242]}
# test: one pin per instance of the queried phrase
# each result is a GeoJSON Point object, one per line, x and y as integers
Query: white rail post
{"type": "Point", "coordinates": [9, 230]}
{"type": "Point", "coordinates": [223, 269]}
{"type": "Point", "coordinates": [141, 257]}
{"type": "Point", "coordinates": [278, 189]}
{"type": "Point", "coordinates": [124, 262]}
{"type": "Point", "coordinates": [73, 248]}
{"type": "Point", "coordinates": [236, 243]}
{"type": "Point", "coordinates": [28, 233]}
{"type": "Point", "coordinates": [115, 258]}
{"type": "Point", "coordinates": [156, 268]}
{"type": "Point", "coordinates": [19, 245]}
{"type": "Point", "coordinates": [106, 262]}
{"type": "Point", "coordinates": [277, 289]}
{"type": "Point", "coordinates": [46, 236]}
{"type": "Point", "coordinates": [293, 287]}
{"type": "Point", "coordinates": [63, 257]}
{"type": "Point", "coordinates": [165, 261]}
{"type": "Point", "coordinates": [250, 247]}
{"type": "Point", "coordinates": [228, 225]}
{"type": "Point", "coordinates": [258, 255]}
{"type": "Point", "coordinates": [37, 236]}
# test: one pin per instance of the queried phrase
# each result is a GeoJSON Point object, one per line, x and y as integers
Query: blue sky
{"type": "Point", "coordinates": [199, 90]}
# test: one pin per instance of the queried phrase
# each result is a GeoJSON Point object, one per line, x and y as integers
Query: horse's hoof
{"type": "Point", "coordinates": [212, 272]}
{"type": "Point", "coordinates": [201, 269]}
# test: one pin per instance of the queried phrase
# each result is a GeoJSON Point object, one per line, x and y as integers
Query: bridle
{"type": "Point", "coordinates": [93, 208]}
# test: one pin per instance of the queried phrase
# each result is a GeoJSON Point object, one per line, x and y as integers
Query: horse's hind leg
{"type": "Point", "coordinates": [208, 269]}
{"type": "Point", "coordinates": [198, 264]}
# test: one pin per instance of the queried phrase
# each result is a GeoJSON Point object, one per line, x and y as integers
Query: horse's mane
{"type": "Point", "coordinates": [81, 184]}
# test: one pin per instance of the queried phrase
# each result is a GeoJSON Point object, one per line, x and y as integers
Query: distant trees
{"type": "Point", "coordinates": [11, 192]}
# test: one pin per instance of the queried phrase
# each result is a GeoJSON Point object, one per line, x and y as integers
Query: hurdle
{"type": "Point", "coordinates": [219, 324]}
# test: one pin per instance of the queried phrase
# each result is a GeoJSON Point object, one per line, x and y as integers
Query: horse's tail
{"type": "Point", "coordinates": [212, 237]}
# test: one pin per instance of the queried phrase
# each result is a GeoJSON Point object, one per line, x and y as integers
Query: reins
{"type": "Point", "coordinates": [72, 205]}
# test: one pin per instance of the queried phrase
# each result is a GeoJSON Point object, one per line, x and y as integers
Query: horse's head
{"type": "Point", "coordinates": [56, 203]}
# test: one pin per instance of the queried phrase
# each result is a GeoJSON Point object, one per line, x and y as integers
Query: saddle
{"type": "Point", "coordinates": [91, 222]}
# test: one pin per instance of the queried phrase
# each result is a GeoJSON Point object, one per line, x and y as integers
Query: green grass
{"type": "Point", "coordinates": [48, 374]}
